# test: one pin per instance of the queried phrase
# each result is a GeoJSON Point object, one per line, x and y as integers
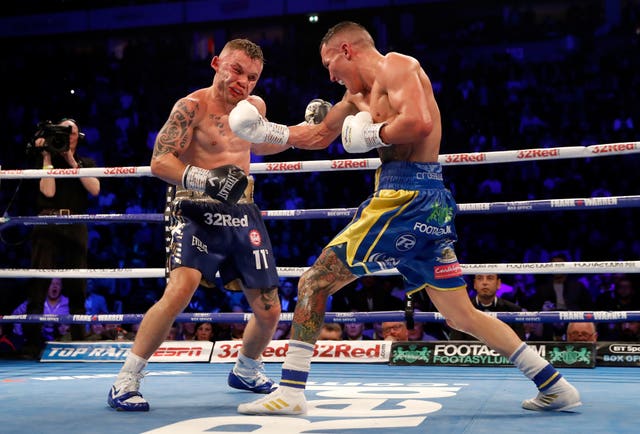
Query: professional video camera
{"type": "Point", "coordinates": [56, 138]}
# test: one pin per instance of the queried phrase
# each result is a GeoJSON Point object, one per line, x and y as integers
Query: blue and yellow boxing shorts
{"type": "Point", "coordinates": [407, 223]}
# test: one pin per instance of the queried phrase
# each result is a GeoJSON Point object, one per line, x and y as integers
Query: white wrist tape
{"type": "Point", "coordinates": [276, 133]}
{"type": "Point", "coordinates": [195, 178]}
{"type": "Point", "coordinates": [371, 135]}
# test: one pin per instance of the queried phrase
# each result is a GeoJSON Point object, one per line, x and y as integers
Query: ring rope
{"type": "Point", "coordinates": [357, 164]}
{"type": "Point", "coordinates": [534, 154]}
{"type": "Point", "coordinates": [338, 317]}
{"type": "Point", "coordinates": [467, 269]}
{"type": "Point", "coordinates": [81, 218]}
{"type": "Point", "coordinates": [521, 206]}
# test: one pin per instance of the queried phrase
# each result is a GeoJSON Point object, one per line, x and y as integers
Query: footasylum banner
{"type": "Point", "coordinates": [474, 353]}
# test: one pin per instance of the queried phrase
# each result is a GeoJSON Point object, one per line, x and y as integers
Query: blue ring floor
{"type": "Point", "coordinates": [344, 398]}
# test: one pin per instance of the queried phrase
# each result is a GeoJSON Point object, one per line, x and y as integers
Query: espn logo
{"type": "Point", "coordinates": [178, 351]}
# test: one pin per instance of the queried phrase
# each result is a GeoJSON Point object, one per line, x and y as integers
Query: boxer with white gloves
{"type": "Point", "coordinates": [394, 89]}
{"type": "Point", "coordinates": [360, 134]}
{"type": "Point", "coordinates": [247, 123]}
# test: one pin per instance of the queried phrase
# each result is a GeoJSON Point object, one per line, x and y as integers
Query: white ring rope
{"type": "Point", "coordinates": [468, 269]}
{"type": "Point", "coordinates": [608, 149]}
{"type": "Point", "coordinates": [602, 150]}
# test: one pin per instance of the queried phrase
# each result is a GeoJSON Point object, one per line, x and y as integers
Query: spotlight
{"type": "Point", "coordinates": [313, 18]}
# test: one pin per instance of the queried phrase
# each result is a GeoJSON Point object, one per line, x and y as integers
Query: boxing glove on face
{"type": "Point", "coordinates": [225, 183]}
{"type": "Point", "coordinates": [316, 111]}
{"type": "Point", "coordinates": [360, 134]}
{"type": "Point", "coordinates": [246, 122]}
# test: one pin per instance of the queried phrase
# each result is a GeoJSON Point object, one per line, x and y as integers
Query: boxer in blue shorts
{"type": "Point", "coordinates": [211, 236]}
{"type": "Point", "coordinates": [407, 223]}
{"type": "Point", "coordinates": [216, 226]}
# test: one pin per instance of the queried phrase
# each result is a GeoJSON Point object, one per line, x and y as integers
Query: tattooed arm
{"type": "Point", "coordinates": [173, 140]}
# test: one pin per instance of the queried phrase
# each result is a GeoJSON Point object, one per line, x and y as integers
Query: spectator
{"type": "Point", "coordinates": [534, 331]}
{"type": "Point", "coordinates": [54, 304]}
{"type": "Point", "coordinates": [353, 331]}
{"type": "Point", "coordinates": [522, 291]}
{"type": "Point", "coordinates": [486, 300]}
{"type": "Point", "coordinates": [623, 297]}
{"type": "Point", "coordinates": [174, 332]}
{"type": "Point", "coordinates": [63, 333]}
{"type": "Point", "coordinates": [562, 292]}
{"type": "Point", "coordinates": [96, 332]}
{"type": "Point", "coordinates": [204, 331]}
{"type": "Point", "coordinates": [375, 332]}
{"type": "Point", "coordinates": [330, 331]}
{"type": "Point", "coordinates": [188, 331]}
{"type": "Point", "coordinates": [628, 331]}
{"type": "Point", "coordinates": [367, 294]}
{"type": "Point", "coordinates": [418, 333]}
{"type": "Point", "coordinates": [395, 331]}
{"type": "Point", "coordinates": [117, 332]}
{"type": "Point", "coordinates": [236, 329]}
{"type": "Point", "coordinates": [581, 332]}
{"type": "Point", "coordinates": [95, 303]}
{"type": "Point", "coordinates": [287, 295]}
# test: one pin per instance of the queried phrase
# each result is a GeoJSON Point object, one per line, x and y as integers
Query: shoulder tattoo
{"type": "Point", "coordinates": [174, 134]}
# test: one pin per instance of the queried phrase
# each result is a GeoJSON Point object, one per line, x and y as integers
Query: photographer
{"type": "Point", "coordinates": [59, 245]}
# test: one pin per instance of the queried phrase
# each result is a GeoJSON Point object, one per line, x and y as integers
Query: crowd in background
{"type": "Point", "coordinates": [514, 77]}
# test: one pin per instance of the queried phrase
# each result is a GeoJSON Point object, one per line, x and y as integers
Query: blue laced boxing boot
{"type": "Point", "coordinates": [256, 383]}
{"type": "Point", "coordinates": [124, 394]}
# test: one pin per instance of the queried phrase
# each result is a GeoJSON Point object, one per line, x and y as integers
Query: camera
{"type": "Point", "coordinates": [56, 138]}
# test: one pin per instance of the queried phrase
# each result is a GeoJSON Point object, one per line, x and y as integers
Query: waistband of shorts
{"type": "Point", "coordinates": [406, 175]}
{"type": "Point", "coordinates": [182, 193]}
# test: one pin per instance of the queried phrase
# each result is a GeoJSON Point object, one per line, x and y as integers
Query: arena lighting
{"type": "Point", "coordinates": [313, 18]}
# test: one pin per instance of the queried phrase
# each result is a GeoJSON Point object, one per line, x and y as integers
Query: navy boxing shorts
{"type": "Point", "coordinates": [211, 236]}
{"type": "Point", "coordinates": [407, 223]}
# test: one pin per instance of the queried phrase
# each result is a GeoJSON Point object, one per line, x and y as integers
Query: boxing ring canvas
{"type": "Point", "coordinates": [344, 398]}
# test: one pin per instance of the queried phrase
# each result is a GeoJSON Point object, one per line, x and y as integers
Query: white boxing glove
{"type": "Point", "coordinates": [246, 122]}
{"type": "Point", "coordinates": [360, 134]}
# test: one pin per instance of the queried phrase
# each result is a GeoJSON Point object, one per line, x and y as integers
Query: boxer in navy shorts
{"type": "Point", "coordinates": [211, 236]}
{"type": "Point", "coordinates": [216, 227]}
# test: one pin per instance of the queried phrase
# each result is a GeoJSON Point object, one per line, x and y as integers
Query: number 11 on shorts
{"type": "Point", "coordinates": [261, 259]}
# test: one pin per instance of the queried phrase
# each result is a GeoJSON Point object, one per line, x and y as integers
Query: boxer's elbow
{"type": "Point", "coordinates": [161, 167]}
